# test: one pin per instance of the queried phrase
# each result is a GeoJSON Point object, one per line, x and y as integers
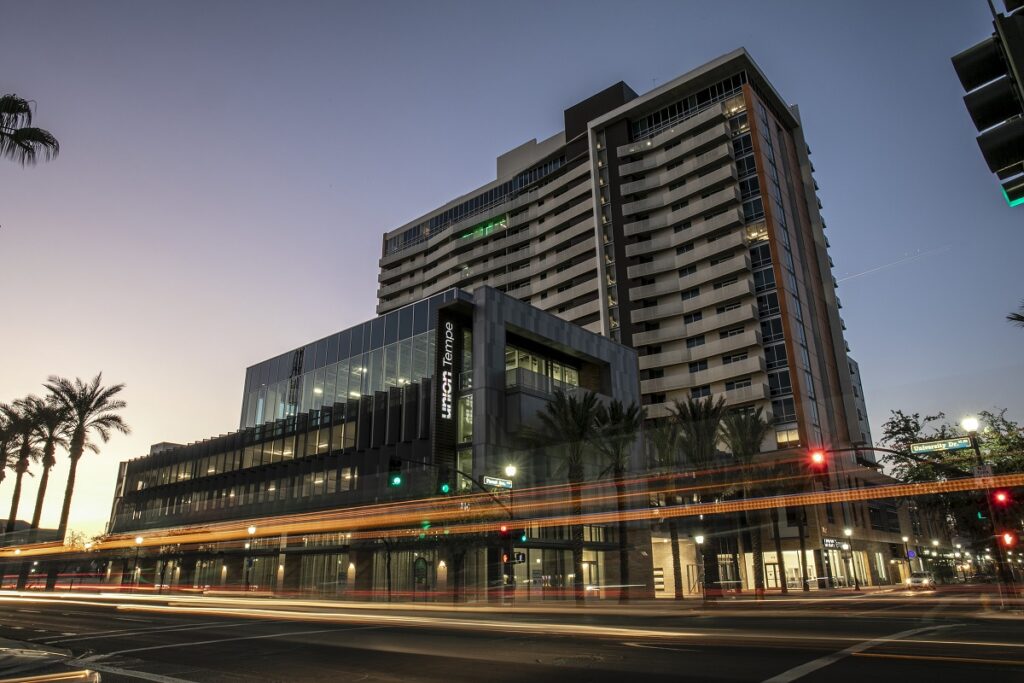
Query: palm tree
{"type": "Point", "coordinates": [91, 408]}
{"type": "Point", "coordinates": [742, 432]}
{"type": "Point", "coordinates": [7, 440]}
{"type": "Point", "coordinates": [568, 425]}
{"type": "Point", "coordinates": [617, 428]}
{"type": "Point", "coordinates": [18, 139]}
{"type": "Point", "coordinates": [1017, 317]}
{"type": "Point", "coordinates": [698, 421]}
{"type": "Point", "coordinates": [664, 440]}
{"type": "Point", "coordinates": [21, 419]}
{"type": "Point", "coordinates": [51, 421]}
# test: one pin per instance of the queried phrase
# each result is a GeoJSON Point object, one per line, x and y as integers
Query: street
{"type": "Point", "coordinates": [885, 636]}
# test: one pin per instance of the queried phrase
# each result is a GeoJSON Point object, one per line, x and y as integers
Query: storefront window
{"type": "Point", "coordinates": [464, 412]}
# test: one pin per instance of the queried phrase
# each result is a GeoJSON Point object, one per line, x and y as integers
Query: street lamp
{"type": "Point", "coordinates": [970, 424]}
{"type": "Point", "coordinates": [848, 532]}
{"type": "Point", "coordinates": [935, 543]}
{"type": "Point", "coordinates": [136, 574]}
{"type": "Point", "coordinates": [699, 539]}
{"type": "Point", "coordinates": [906, 555]}
{"type": "Point", "coordinates": [510, 471]}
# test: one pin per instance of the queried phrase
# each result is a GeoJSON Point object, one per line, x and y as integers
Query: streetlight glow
{"type": "Point", "coordinates": [970, 424]}
{"type": "Point", "coordinates": [699, 539]}
{"type": "Point", "coordinates": [510, 470]}
{"type": "Point", "coordinates": [251, 529]}
{"type": "Point", "coordinates": [138, 540]}
{"type": "Point", "coordinates": [848, 532]}
{"type": "Point", "coordinates": [935, 543]}
{"type": "Point", "coordinates": [906, 538]}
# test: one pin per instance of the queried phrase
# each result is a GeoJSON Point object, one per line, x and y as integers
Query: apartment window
{"type": "Point", "coordinates": [683, 248]}
{"type": "Point", "coordinates": [786, 438]}
{"type": "Point", "coordinates": [768, 304]}
{"type": "Point", "coordinates": [753, 209]}
{"type": "Point", "coordinates": [726, 282]}
{"type": "Point", "coordinates": [764, 280]}
{"type": "Point", "coordinates": [775, 356]}
{"type": "Point", "coordinates": [771, 330]}
{"type": "Point", "coordinates": [741, 383]}
{"type": "Point", "coordinates": [687, 271]}
{"type": "Point", "coordinates": [749, 187]}
{"type": "Point", "coordinates": [809, 381]}
{"type": "Point", "coordinates": [732, 306]}
{"type": "Point", "coordinates": [742, 145]}
{"type": "Point", "coordinates": [784, 409]}
{"type": "Point", "coordinates": [745, 166]}
{"type": "Point", "coordinates": [679, 227]}
{"type": "Point", "coordinates": [680, 205]}
{"type": "Point", "coordinates": [690, 293]}
{"type": "Point", "coordinates": [720, 259]}
{"type": "Point", "coordinates": [732, 332]}
{"type": "Point", "coordinates": [779, 383]}
{"type": "Point", "coordinates": [699, 366]}
{"type": "Point", "coordinates": [734, 358]}
{"type": "Point", "coordinates": [695, 341]}
{"type": "Point", "coordinates": [692, 317]}
{"type": "Point", "coordinates": [700, 392]}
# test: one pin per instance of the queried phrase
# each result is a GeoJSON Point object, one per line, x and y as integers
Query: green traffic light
{"type": "Point", "coordinates": [523, 538]}
{"type": "Point", "coordinates": [396, 480]}
{"type": "Point", "coordinates": [445, 488]}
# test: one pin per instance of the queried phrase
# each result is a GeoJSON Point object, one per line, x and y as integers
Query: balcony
{"type": "Point", "coordinates": [521, 379]}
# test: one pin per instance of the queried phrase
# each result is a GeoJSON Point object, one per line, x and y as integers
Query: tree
{"type": "Point", "coordinates": [663, 438]}
{"type": "Point", "coordinates": [568, 426]}
{"type": "Point", "coordinates": [618, 426]}
{"type": "Point", "coordinates": [698, 421]}
{"type": "Point", "coordinates": [51, 424]}
{"type": "Point", "coordinates": [18, 139]}
{"type": "Point", "coordinates": [1017, 317]}
{"type": "Point", "coordinates": [92, 409]}
{"type": "Point", "coordinates": [21, 419]}
{"type": "Point", "coordinates": [742, 432]}
{"type": "Point", "coordinates": [7, 441]}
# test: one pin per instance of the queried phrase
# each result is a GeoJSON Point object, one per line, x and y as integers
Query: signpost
{"type": "Point", "coordinates": [958, 444]}
{"type": "Point", "coordinates": [496, 481]}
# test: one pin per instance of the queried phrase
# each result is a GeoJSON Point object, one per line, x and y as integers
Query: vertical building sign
{"type": "Point", "coordinates": [447, 366]}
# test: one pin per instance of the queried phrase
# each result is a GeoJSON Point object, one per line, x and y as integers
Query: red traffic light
{"type": "Point", "coordinates": [503, 528]}
{"type": "Point", "coordinates": [1001, 497]}
{"type": "Point", "coordinates": [817, 458]}
{"type": "Point", "coordinates": [1009, 539]}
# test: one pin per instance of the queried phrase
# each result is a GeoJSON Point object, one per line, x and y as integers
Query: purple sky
{"type": "Point", "coordinates": [228, 170]}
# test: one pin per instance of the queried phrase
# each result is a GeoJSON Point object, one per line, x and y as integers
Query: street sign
{"type": "Point", "coordinates": [500, 483]}
{"type": "Point", "coordinates": [958, 444]}
{"type": "Point", "coordinates": [983, 470]}
{"type": "Point", "coordinates": [831, 543]}
{"type": "Point", "coordinates": [518, 558]}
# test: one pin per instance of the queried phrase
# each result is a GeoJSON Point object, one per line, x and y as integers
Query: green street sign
{"type": "Point", "coordinates": [958, 444]}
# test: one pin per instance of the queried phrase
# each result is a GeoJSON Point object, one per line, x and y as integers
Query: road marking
{"type": "Point", "coordinates": [939, 658]}
{"type": "Point", "coordinates": [30, 611]}
{"type": "Point", "coordinates": [160, 630]}
{"type": "Point", "coordinates": [228, 640]}
{"type": "Point", "coordinates": [661, 647]}
{"type": "Point", "coordinates": [144, 675]}
{"type": "Point", "coordinates": [820, 663]}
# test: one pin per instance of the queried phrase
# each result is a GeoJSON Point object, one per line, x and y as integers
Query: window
{"type": "Point", "coordinates": [784, 409]}
{"type": "Point", "coordinates": [775, 356]}
{"type": "Point", "coordinates": [786, 438]}
{"type": "Point", "coordinates": [749, 187]}
{"type": "Point", "coordinates": [771, 330]}
{"type": "Point", "coordinates": [753, 209]}
{"type": "Point", "coordinates": [732, 332]}
{"type": "Point", "coordinates": [727, 307]}
{"type": "Point", "coordinates": [734, 358]}
{"type": "Point", "coordinates": [700, 392]}
{"type": "Point", "coordinates": [688, 270]}
{"type": "Point", "coordinates": [692, 317]}
{"type": "Point", "coordinates": [690, 293]}
{"type": "Point", "coordinates": [779, 383]}
{"type": "Point", "coordinates": [699, 366]}
{"type": "Point", "coordinates": [693, 342]}
{"type": "Point", "coordinates": [760, 256]}
{"type": "Point", "coordinates": [742, 145]}
{"type": "Point", "coordinates": [726, 282]}
{"type": "Point", "coordinates": [745, 166]}
{"type": "Point", "coordinates": [683, 248]}
{"type": "Point", "coordinates": [682, 226]}
{"type": "Point", "coordinates": [741, 383]}
{"type": "Point", "coordinates": [768, 304]}
{"type": "Point", "coordinates": [764, 280]}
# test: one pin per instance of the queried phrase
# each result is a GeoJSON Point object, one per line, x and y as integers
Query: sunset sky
{"type": "Point", "coordinates": [227, 171]}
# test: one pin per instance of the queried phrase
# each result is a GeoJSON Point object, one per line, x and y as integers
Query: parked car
{"type": "Point", "coordinates": [921, 581]}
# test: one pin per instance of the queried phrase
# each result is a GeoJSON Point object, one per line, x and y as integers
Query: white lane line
{"type": "Point", "coordinates": [152, 628]}
{"type": "Point", "coordinates": [143, 675]}
{"type": "Point", "coordinates": [661, 647]}
{"type": "Point", "coordinates": [820, 663]}
{"type": "Point", "coordinates": [160, 630]}
{"type": "Point", "coordinates": [228, 640]}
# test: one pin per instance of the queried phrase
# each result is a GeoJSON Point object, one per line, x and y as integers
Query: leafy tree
{"type": "Point", "coordinates": [51, 425]}
{"type": "Point", "coordinates": [19, 140]}
{"type": "Point", "coordinates": [618, 426]}
{"type": "Point", "coordinates": [92, 410]}
{"type": "Point", "coordinates": [568, 427]}
{"type": "Point", "coordinates": [742, 432]}
{"type": "Point", "coordinates": [21, 419]}
{"type": "Point", "coordinates": [698, 421]}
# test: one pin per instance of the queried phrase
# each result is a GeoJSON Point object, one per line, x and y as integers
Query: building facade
{"type": "Point", "coordinates": [684, 223]}
{"type": "Point", "coordinates": [426, 402]}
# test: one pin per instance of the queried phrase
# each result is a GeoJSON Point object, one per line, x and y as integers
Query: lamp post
{"type": "Point", "coordinates": [700, 558]}
{"type": "Point", "coordinates": [510, 472]}
{"type": "Point", "coordinates": [970, 425]}
{"type": "Point", "coordinates": [906, 555]}
{"type": "Point", "coordinates": [136, 574]}
{"type": "Point", "coordinates": [248, 567]}
{"type": "Point", "coordinates": [848, 532]}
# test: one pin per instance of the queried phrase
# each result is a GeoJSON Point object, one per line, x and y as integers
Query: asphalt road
{"type": "Point", "coordinates": [883, 637]}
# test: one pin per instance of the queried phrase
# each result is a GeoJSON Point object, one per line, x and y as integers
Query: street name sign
{"type": "Point", "coordinates": [945, 445]}
{"type": "Point", "coordinates": [500, 483]}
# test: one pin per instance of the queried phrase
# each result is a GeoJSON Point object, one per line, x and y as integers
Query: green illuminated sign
{"type": "Point", "coordinates": [485, 229]}
{"type": "Point", "coordinates": [947, 445]}
{"type": "Point", "coordinates": [1013, 202]}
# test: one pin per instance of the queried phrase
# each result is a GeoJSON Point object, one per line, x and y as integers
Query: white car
{"type": "Point", "coordinates": [921, 580]}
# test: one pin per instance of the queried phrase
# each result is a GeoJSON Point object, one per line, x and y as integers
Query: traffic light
{"type": "Point", "coordinates": [992, 74]}
{"type": "Point", "coordinates": [444, 479]}
{"type": "Point", "coordinates": [394, 472]}
{"type": "Point", "coordinates": [521, 536]}
{"type": "Point", "coordinates": [505, 558]}
{"type": "Point", "coordinates": [817, 459]}
{"type": "Point", "coordinates": [1001, 498]}
{"type": "Point", "coordinates": [1008, 538]}
{"type": "Point", "coordinates": [504, 533]}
